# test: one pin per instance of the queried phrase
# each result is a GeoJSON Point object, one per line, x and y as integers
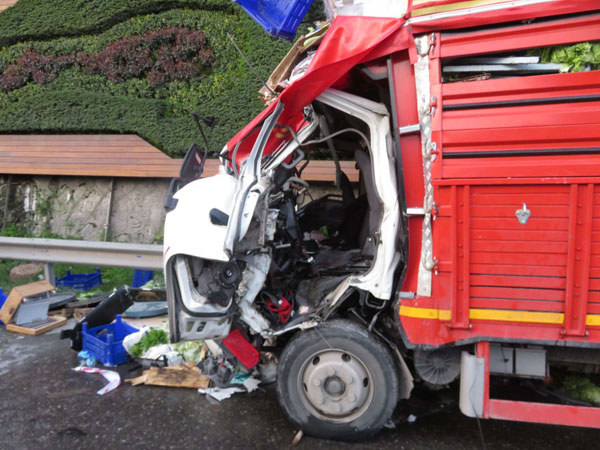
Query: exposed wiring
{"type": "Point", "coordinates": [331, 136]}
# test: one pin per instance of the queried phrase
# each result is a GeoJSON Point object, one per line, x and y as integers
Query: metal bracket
{"type": "Point", "coordinates": [415, 211]}
{"type": "Point", "coordinates": [409, 129]}
{"type": "Point", "coordinates": [523, 214]}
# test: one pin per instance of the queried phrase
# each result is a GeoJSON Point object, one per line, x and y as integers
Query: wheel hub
{"type": "Point", "coordinates": [334, 386]}
{"type": "Point", "coordinates": [337, 385]}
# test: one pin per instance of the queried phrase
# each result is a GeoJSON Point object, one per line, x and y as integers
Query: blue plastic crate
{"type": "Point", "coordinates": [3, 298]}
{"type": "Point", "coordinates": [105, 343]}
{"type": "Point", "coordinates": [80, 281]}
{"type": "Point", "coordinates": [141, 277]}
{"type": "Point", "coordinates": [279, 18]}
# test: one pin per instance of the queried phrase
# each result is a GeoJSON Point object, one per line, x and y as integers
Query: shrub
{"type": "Point", "coordinates": [30, 20]}
{"type": "Point", "coordinates": [180, 55]}
{"type": "Point", "coordinates": [33, 66]}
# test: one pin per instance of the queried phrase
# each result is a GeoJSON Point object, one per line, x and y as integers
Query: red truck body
{"type": "Point", "coordinates": [503, 144]}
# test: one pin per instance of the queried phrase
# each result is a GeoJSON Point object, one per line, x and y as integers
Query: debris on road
{"type": "Point", "coordinates": [146, 339]}
{"type": "Point", "coordinates": [184, 375]}
{"type": "Point", "coordinates": [18, 294]}
{"type": "Point", "coordinates": [86, 359]}
{"type": "Point", "coordinates": [38, 327]}
{"type": "Point", "coordinates": [113, 378]}
{"type": "Point", "coordinates": [116, 303]}
{"type": "Point", "coordinates": [220, 394]}
{"type": "Point", "coordinates": [27, 305]}
{"type": "Point", "coordinates": [297, 438]}
{"type": "Point", "coordinates": [105, 342]}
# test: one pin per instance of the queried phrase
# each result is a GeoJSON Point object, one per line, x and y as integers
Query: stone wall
{"type": "Point", "coordinates": [78, 207]}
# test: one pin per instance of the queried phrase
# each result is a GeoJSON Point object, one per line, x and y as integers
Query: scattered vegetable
{"type": "Point", "coordinates": [154, 337]}
{"type": "Point", "coordinates": [191, 351]}
{"type": "Point", "coordinates": [574, 58]}
{"type": "Point", "coordinates": [583, 389]}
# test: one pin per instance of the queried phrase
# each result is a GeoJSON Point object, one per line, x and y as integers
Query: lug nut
{"type": "Point", "coordinates": [316, 382]}
{"type": "Point", "coordinates": [352, 398]}
{"type": "Point", "coordinates": [320, 400]}
{"type": "Point", "coordinates": [348, 379]}
{"type": "Point", "coordinates": [330, 372]}
{"type": "Point", "coordinates": [337, 407]}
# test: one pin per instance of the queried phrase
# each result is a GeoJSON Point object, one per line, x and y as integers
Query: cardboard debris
{"type": "Point", "coordinates": [185, 375]}
{"type": "Point", "coordinates": [284, 68]}
{"type": "Point", "coordinates": [17, 295]}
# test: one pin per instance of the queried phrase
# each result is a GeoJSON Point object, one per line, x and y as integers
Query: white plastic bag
{"type": "Point", "coordinates": [134, 338]}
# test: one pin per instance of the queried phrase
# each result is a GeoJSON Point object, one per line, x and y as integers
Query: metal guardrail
{"type": "Point", "coordinates": [111, 254]}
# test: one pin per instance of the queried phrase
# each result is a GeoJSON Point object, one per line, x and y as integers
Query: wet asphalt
{"type": "Point", "coordinates": [45, 405]}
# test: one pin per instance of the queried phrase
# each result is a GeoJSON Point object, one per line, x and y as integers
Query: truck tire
{"type": "Point", "coordinates": [337, 381]}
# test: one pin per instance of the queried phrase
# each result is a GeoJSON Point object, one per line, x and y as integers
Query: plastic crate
{"type": "Point", "coordinates": [80, 281]}
{"type": "Point", "coordinates": [279, 18]}
{"type": "Point", "coordinates": [141, 277]}
{"type": "Point", "coordinates": [105, 343]}
{"type": "Point", "coordinates": [3, 298]}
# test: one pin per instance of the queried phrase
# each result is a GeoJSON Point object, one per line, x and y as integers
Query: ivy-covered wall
{"type": "Point", "coordinates": [86, 66]}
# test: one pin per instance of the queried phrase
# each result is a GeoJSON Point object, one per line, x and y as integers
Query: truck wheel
{"type": "Point", "coordinates": [337, 381]}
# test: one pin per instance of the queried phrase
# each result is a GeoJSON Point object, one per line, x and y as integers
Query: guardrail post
{"type": "Point", "coordinates": [49, 274]}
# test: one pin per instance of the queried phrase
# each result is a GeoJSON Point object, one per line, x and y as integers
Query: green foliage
{"type": "Point", "coordinates": [154, 337]}
{"type": "Point", "coordinates": [14, 230]}
{"type": "Point", "coordinates": [581, 388]}
{"type": "Point", "coordinates": [5, 283]}
{"type": "Point", "coordinates": [42, 20]}
{"type": "Point", "coordinates": [76, 102]}
{"type": "Point", "coordinates": [574, 58]}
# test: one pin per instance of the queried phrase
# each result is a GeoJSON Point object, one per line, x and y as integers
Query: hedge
{"type": "Point", "coordinates": [41, 19]}
{"type": "Point", "coordinates": [78, 102]}
{"type": "Point", "coordinates": [83, 111]}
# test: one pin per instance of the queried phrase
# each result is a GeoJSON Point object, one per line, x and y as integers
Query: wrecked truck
{"type": "Point", "coordinates": [459, 244]}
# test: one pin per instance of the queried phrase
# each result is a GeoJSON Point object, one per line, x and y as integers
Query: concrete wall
{"type": "Point", "coordinates": [79, 206]}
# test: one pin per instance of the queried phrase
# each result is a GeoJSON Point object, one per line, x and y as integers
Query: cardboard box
{"type": "Point", "coordinates": [17, 295]}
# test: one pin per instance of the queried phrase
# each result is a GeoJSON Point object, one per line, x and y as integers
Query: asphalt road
{"type": "Point", "coordinates": [45, 405]}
